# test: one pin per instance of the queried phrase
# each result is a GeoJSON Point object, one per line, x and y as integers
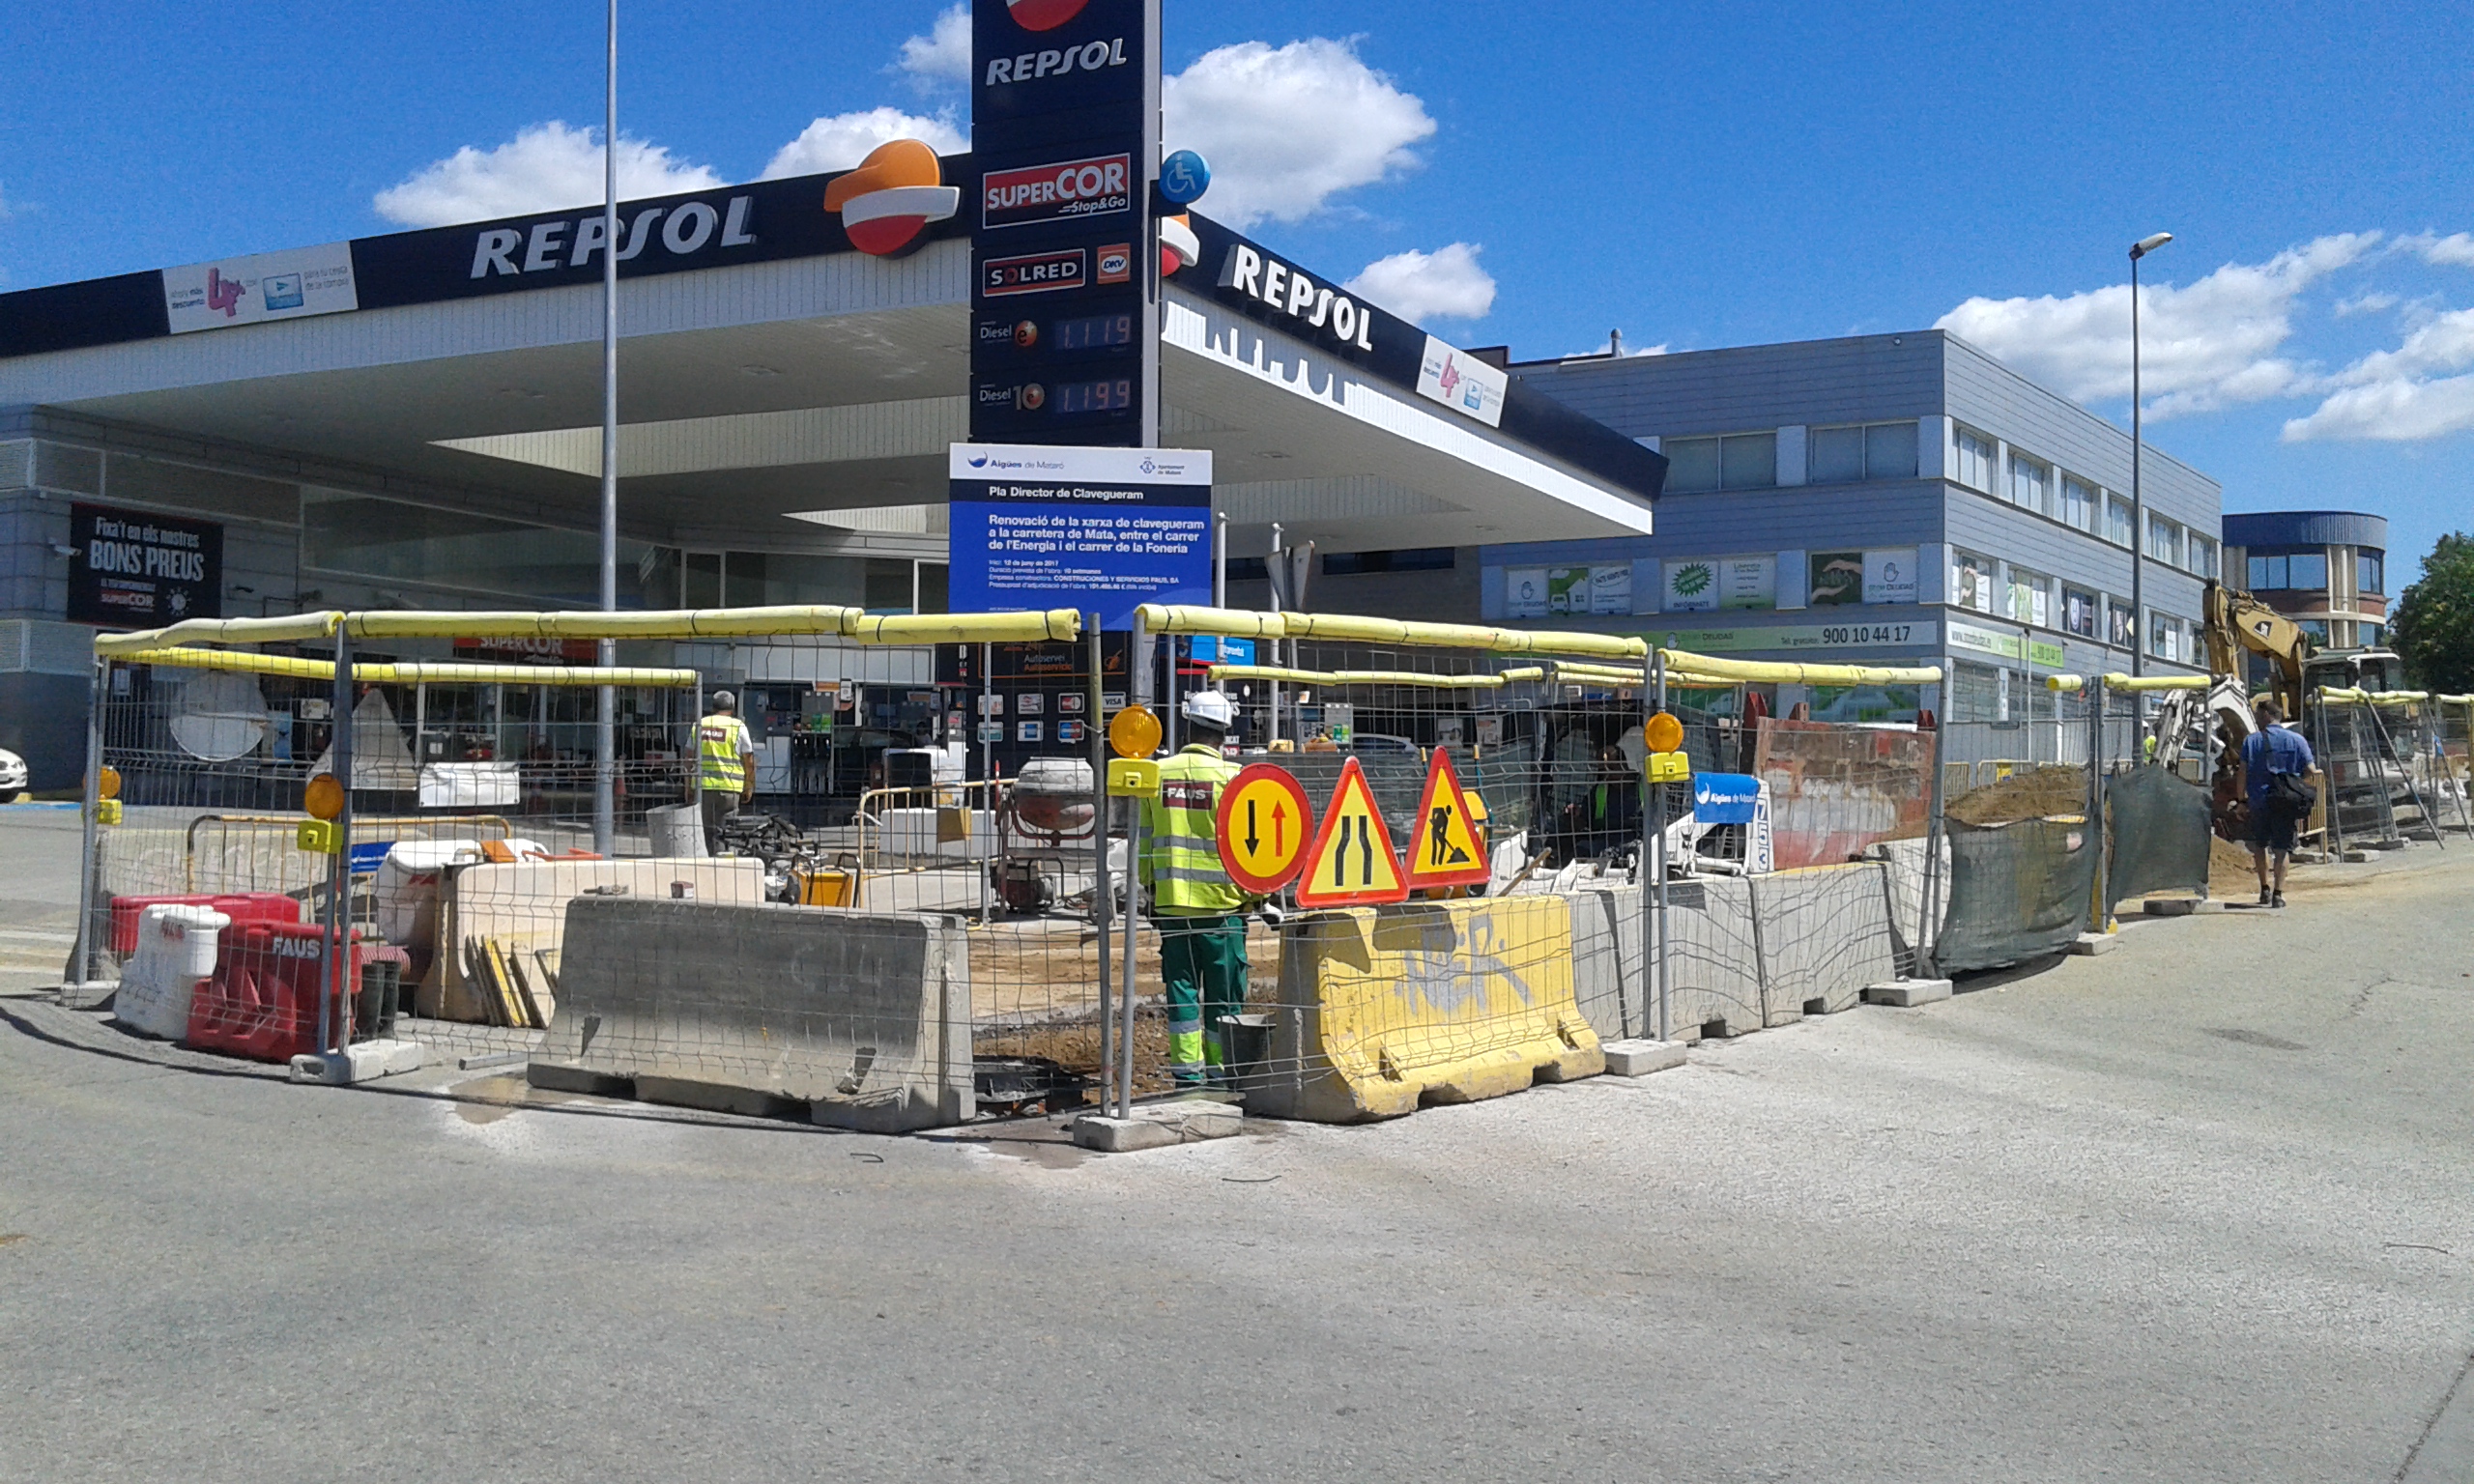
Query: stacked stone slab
{"type": "Point", "coordinates": [1824, 938]}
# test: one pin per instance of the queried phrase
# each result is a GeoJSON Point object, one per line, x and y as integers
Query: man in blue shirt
{"type": "Point", "coordinates": [2270, 757]}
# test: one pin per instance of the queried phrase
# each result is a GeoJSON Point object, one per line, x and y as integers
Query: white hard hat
{"type": "Point", "coordinates": [1210, 708]}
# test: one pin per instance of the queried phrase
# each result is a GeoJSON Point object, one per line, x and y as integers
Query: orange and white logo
{"type": "Point", "coordinates": [888, 201]}
{"type": "Point", "coordinates": [1179, 247]}
{"type": "Point", "coordinates": [1042, 14]}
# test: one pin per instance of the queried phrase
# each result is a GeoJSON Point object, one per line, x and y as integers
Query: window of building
{"type": "Point", "coordinates": [934, 586]}
{"type": "Point", "coordinates": [2031, 598]}
{"type": "Point", "coordinates": [2204, 554]}
{"type": "Point", "coordinates": [2079, 611]}
{"type": "Point", "coordinates": [880, 584]}
{"type": "Point", "coordinates": [2164, 637]}
{"type": "Point", "coordinates": [2308, 571]}
{"type": "Point", "coordinates": [2120, 633]}
{"type": "Point", "coordinates": [2117, 522]}
{"type": "Point", "coordinates": [2375, 633]}
{"type": "Point", "coordinates": [397, 542]}
{"type": "Point", "coordinates": [2079, 502]}
{"type": "Point", "coordinates": [2164, 540]}
{"type": "Point", "coordinates": [1976, 461]}
{"type": "Point", "coordinates": [2371, 570]}
{"type": "Point", "coordinates": [1972, 581]}
{"type": "Point", "coordinates": [1691, 463]}
{"type": "Point", "coordinates": [1879, 450]}
{"type": "Point", "coordinates": [2030, 484]}
{"type": "Point", "coordinates": [1977, 694]}
{"type": "Point", "coordinates": [1423, 558]}
{"type": "Point", "coordinates": [1250, 569]}
{"type": "Point", "coordinates": [2316, 628]}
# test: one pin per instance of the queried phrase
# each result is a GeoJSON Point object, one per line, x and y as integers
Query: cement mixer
{"type": "Point", "coordinates": [1048, 812]}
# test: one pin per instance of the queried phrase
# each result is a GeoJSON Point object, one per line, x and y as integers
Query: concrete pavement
{"type": "Point", "coordinates": [2199, 1210]}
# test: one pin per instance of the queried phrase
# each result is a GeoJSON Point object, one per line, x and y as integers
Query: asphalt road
{"type": "Point", "coordinates": [2198, 1209]}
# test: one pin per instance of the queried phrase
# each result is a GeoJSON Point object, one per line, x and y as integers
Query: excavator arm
{"type": "Point", "coordinates": [2236, 621]}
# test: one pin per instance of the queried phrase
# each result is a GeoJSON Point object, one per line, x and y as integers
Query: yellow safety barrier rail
{"type": "Point", "coordinates": [1345, 628]}
{"type": "Point", "coordinates": [2141, 683]}
{"type": "Point", "coordinates": [790, 621]}
{"type": "Point", "coordinates": [412, 672]}
{"type": "Point", "coordinates": [1706, 668]}
{"type": "Point", "coordinates": [1403, 677]}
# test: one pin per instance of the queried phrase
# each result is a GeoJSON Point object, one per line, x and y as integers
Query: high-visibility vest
{"type": "Point", "coordinates": [1181, 855]}
{"type": "Point", "coordinates": [721, 739]}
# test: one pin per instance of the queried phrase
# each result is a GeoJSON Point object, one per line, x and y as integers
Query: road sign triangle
{"type": "Point", "coordinates": [1444, 849]}
{"type": "Point", "coordinates": [1351, 864]}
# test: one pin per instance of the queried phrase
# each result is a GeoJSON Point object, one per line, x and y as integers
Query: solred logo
{"type": "Point", "coordinates": [1042, 14]}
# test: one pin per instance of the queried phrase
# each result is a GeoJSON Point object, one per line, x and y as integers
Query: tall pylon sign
{"type": "Point", "coordinates": [1065, 289]}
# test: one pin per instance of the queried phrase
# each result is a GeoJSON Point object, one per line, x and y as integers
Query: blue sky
{"type": "Point", "coordinates": [1697, 175]}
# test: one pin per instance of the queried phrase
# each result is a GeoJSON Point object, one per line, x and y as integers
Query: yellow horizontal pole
{"type": "Point", "coordinates": [1220, 623]}
{"type": "Point", "coordinates": [802, 619]}
{"type": "Point", "coordinates": [1342, 677]}
{"type": "Point", "coordinates": [1061, 623]}
{"type": "Point", "coordinates": [412, 672]}
{"type": "Point", "coordinates": [292, 629]}
{"type": "Point", "coordinates": [1774, 672]}
{"type": "Point", "coordinates": [2122, 682]}
{"type": "Point", "coordinates": [2066, 682]}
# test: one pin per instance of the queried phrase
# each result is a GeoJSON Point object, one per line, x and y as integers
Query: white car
{"type": "Point", "coordinates": [12, 775]}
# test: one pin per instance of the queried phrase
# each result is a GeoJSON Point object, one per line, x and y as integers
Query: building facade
{"type": "Point", "coordinates": [2327, 570]}
{"type": "Point", "coordinates": [1884, 498]}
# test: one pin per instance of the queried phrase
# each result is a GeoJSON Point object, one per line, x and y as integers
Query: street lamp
{"type": "Point", "coordinates": [2137, 499]}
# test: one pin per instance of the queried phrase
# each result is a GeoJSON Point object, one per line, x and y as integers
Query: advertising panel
{"type": "Point", "coordinates": [1917, 638]}
{"type": "Point", "coordinates": [1889, 576]}
{"type": "Point", "coordinates": [1064, 137]}
{"type": "Point", "coordinates": [1748, 583]}
{"type": "Point", "coordinates": [1837, 577]}
{"type": "Point", "coordinates": [1040, 526]}
{"type": "Point", "coordinates": [261, 286]}
{"type": "Point", "coordinates": [1525, 593]}
{"type": "Point", "coordinates": [1461, 381]}
{"type": "Point", "coordinates": [1610, 589]}
{"type": "Point", "coordinates": [1692, 587]}
{"type": "Point", "coordinates": [133, 570]}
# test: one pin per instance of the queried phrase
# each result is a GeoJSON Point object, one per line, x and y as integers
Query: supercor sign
{"type": "Point", "coordinates": [1064, 190]}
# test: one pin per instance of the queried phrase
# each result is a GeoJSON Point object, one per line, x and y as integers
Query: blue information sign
{"type": "Point", "coordinates": [1724, 798]}
{"type": "Point", "coordinates": [1105, 530]}
{"type": "Point", "coordinates": [1183, 178]}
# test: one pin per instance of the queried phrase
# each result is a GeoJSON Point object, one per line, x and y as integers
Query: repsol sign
{"type": "Point", "coordinates": [1294, 294]}
{"type": "Point", "coordinates": [682, 231]}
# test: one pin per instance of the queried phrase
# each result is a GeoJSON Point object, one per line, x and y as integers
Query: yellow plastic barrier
{"type": "Point", "coordinates": [795, 621]}
{"type": "Point", "coordinates": [1710, 666]}
{"type": "Point", "coordinates": [1424, 1002]}
{"type": "Point", "coordinates": [296, 628]}
{"type": "Point", "coordinates": [2121, 682]}
{"type": "Point", "coordinates": [1238, 623]}
{"type": "Point", "coordinates": [410, 672]}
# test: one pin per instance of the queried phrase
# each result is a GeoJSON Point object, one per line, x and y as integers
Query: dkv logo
{"type": "Point", "coordinates": [1042, 14]}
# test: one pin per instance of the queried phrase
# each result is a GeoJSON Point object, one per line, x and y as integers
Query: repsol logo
{"type": "Point", "coordinates": [1057, 62]}
{"type": "Point", "coordinates": [1293, 292]}
{"type": "Point", "coordinates": [572, 242]}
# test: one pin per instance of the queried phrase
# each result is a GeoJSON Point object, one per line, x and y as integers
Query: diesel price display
{"type": "Point", "coordinates": [1084, 332]}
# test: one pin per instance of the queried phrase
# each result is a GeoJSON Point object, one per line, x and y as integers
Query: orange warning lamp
{"type": "Point", "coordinates": [108, 783]}
{"type": "Point", "coordinates": [1134, 732]}
{"type": "Point", "coordinates": [1663, 732]}
{"type": "Point", "coordinates": [325, 797]}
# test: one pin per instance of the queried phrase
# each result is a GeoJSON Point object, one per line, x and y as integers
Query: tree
{"type": "Point", "coordinates": [2434, 627]}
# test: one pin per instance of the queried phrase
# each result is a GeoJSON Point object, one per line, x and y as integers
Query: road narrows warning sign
{"type": "Point", "coordinates": [1263, 825]}
{"type": "Point", "coordinates": [1351, 864]}
{"type": "Point", "coordinates": [1444, 849]}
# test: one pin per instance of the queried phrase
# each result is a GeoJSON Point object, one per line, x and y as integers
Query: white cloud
{"type": "Point", "coordinates": [844, 139]}
{"type": "Point", "coordinates": [1445, 284]}
{"type": "Point", "coordinates": [2208, 345]}
{"type": "Point", "coordinates": [2454, 250]}
{"type": "Point", "coordinates": [2365, 303]}
{"type": "Point", "coordinates": [2397, 397]}
{"type": "Point", "coordinates": [942, 57]}
{"type": "Point", "coordinates": [545, 167]}
{"type": "Point", "coordinates": [1287, 128]}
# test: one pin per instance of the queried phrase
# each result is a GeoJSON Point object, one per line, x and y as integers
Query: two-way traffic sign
{"type": "Point", "coordinates": [1263, 825]}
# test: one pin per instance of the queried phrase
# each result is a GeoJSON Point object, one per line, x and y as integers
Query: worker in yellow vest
{"type": "Point", "coordinates": [725, 764]}
{"type": "Point", "coordinates": [1198, 911]}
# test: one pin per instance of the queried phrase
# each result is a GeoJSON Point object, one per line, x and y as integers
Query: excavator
{"type": "Point", "coordinates": [2234, 624]}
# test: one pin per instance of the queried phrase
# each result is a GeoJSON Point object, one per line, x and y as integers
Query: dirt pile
{"type": "Point", "coordinates": [2029, 795]}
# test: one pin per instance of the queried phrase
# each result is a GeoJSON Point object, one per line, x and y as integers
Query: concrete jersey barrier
{"type": "Point", "coordinates": [1387, 1007]}
{"type": "Point", "coordinates": [863, 1018]}
{"type": "Point", "coordinates": [1825, 936]}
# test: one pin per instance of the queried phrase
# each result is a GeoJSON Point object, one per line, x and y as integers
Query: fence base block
{"type": "Point", "coordinates": [363, 1061]}
{"type": "Point", "coordinates": [1909, 993]}
{"type": "Point", "coordinates": [1640, 1058]}
{"type": "Point", "coordinates": [2091, 944]}
{"type": "Point", "coordinates": [92, 995]}
{"type": "Point", "coordinates": [2182, 906]}
{"type": "Point", "coordinates": [1157, 1126]}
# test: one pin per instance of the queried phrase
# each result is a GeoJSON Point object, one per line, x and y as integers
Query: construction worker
{"type": "Point", "coordinates": [1198, 911]}
{"type": "Point", "coordinates": [725, 765]}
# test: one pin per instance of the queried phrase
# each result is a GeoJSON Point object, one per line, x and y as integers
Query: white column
{"type": "Point", "coordinates": [1932, 447]}
{"type": "Point", "coordinates": [1792, 462]}
{"type": "Point", "coordinates": [1795, 577]}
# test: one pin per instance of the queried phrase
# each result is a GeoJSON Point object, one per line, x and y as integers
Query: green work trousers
{"type": "Point", "coordinates": [1203, 961]}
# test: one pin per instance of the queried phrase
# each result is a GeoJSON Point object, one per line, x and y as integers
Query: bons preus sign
{"type": "Point", "coordinates": [1064, 141]}
{"type": "Point", "coordinates": [133, 569]}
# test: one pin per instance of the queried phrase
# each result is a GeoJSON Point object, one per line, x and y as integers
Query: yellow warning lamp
{"type": "Point", "coordinates": [1668, 767]}
{"type": "Point", "coordinates": [108, 783]}
{"type": "Point", "coordinates": [1132, 778]}
{"type": "Point", "coordinates": [1663, 732]}
{"type": "Point", "coordinates": [1134, 732]}
{"type": "Point", "coordinates": [325, 797]}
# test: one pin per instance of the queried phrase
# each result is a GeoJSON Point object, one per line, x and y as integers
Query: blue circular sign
{"type": "Point", "coordinates": [1184, 177]}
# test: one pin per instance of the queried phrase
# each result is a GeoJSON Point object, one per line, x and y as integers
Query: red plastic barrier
{"type": "Point", "coordinates": [240, 906]}
{"type": "Point", "coordinates": [263, 1000]}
